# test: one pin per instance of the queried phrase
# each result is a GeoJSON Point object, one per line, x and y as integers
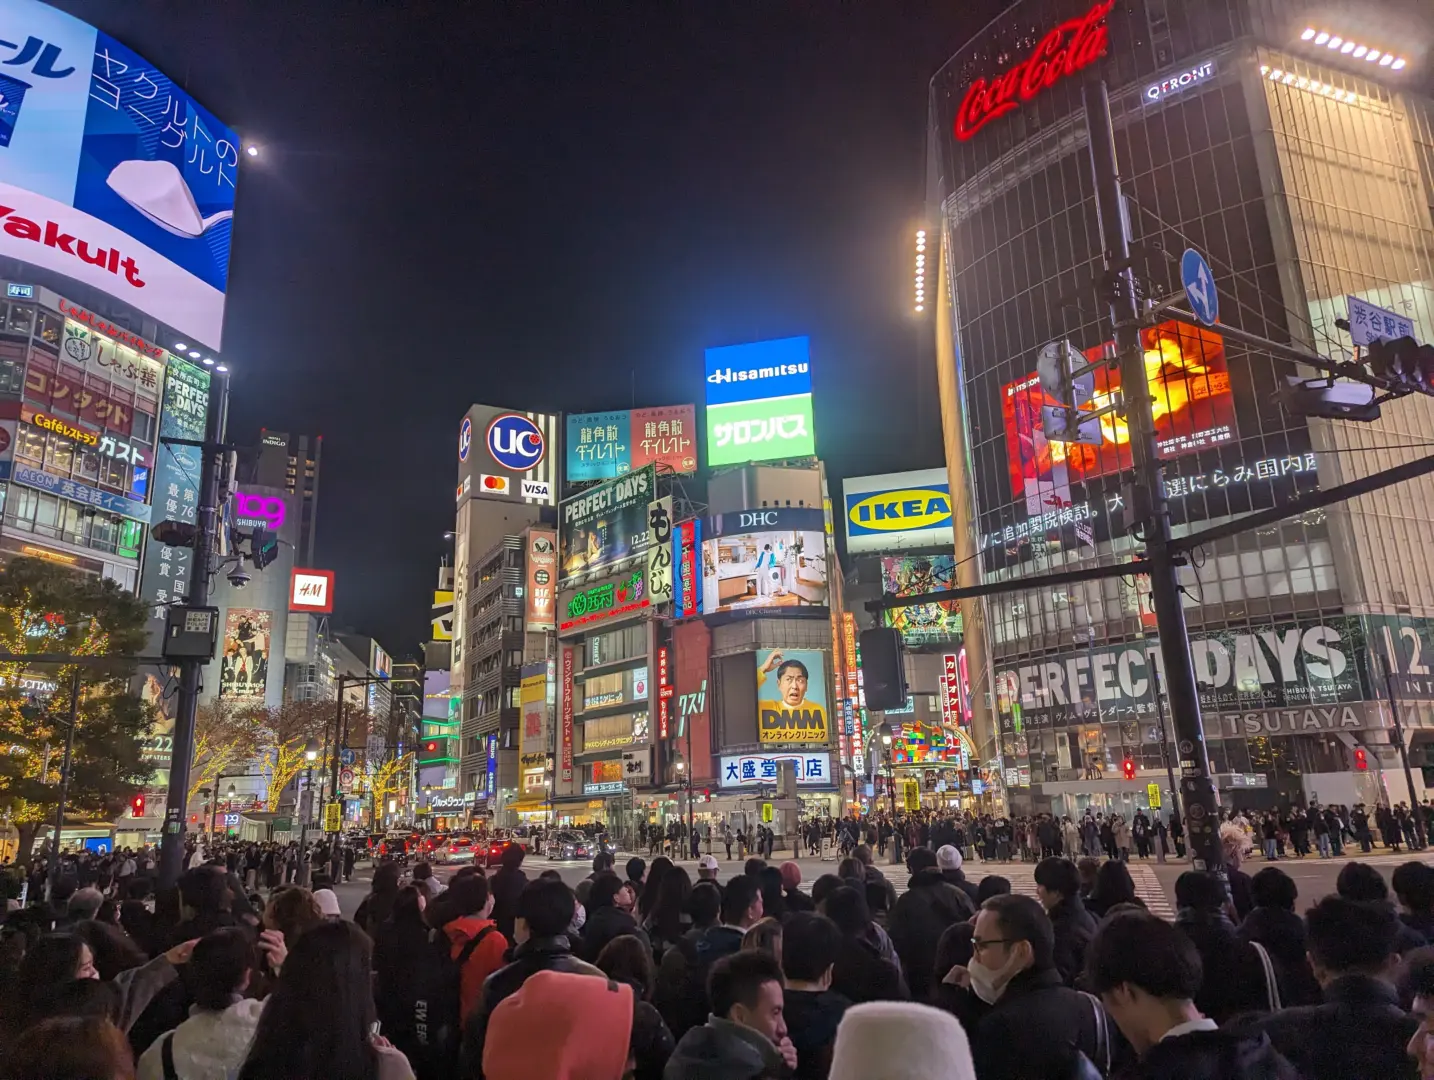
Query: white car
{"type": "Point", "coordinates": [455, 849]}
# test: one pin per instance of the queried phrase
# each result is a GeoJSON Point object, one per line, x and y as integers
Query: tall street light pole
{"type": "Point", "coordinates": [54, 870]}
{"type": "Point", "coordinates": [311, 753]}
{"type": "Point", "coordinates": [171, 849]}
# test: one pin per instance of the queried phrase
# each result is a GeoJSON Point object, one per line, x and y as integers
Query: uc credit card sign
{"type": "Point", "coordinates": [759, 402]}
{"type": "Point", "coordinates": [110, 173]}
{"type": "Point", "coordinates": [898, 510]}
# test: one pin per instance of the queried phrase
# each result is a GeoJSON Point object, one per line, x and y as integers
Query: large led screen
{"type": "Point", "coordinates": [784, 568]}
{"type": "Point", "coordinates": [1193, 405]}
{"type": "Point", "coordinates": [110, 173]}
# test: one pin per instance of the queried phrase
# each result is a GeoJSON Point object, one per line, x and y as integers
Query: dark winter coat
{"type": "Point", "coordinates": [812, 1020]}
{"type": "Point", "coordinates": [722, 1050]}
{"type": "Point", "coordinates": [681, 992]}
{"type": "Point", "coordinates": [1234, 982]}
{"type": "Point", "coordinates": [1212, 1055]}
{"type": "Point", "coordinates": [1074, 926]}
{"type": "Point", "coordinates": [863, 974]}
{"type": "Point", "coordinates": [607, 923]}
{"type": "Point", "coordinates": [1358, 1033]}
{"type": "Point", "coordinates": [1283, 934]}
{"type": "Point", "coordinates": [917, 922]}
{"type": "Point", "coordinates": [958, 878]}
{"type": "Point", "coordinates": [504, 887]}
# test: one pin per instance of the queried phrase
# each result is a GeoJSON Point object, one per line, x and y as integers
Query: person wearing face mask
{"type": "Point", "coordinates": [1012, 988]}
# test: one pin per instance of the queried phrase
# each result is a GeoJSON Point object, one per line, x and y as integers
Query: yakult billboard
{"type": "Point", "coordinates": [110, 173]}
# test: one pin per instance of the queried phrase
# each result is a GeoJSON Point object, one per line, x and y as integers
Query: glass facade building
{"type": "Point", "coordinates": [1304, 175]}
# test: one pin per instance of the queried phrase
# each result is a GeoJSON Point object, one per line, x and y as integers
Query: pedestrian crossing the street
{"type": "Point", "coordinates": [1021, 876]}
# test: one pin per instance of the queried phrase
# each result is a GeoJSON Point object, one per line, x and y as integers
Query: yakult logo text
{"type": "Point", "coordinates": [49, 235]}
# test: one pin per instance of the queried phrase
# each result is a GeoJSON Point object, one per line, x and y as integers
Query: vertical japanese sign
{"type": "Point", "coordinates": [950, 690]}
{"type": "Point", "coordinates": [687, 580]}
{"type": "Point", "coordinates": [165, 575]}
{"type": "Point", "coordinates": [664, 693]}
{"type": "Point", "coordinates": [542, 585]}
{"type": "Point", "coordinates": [565, 752]}
{"type": "Point", "coordinates": [533, 703]}
{"type": "Point", "coordinates": [493, 764]}
{"type": "Point", "coordinates": [111, 174]}
{"type": "Point", "coordinates": [659, 551]}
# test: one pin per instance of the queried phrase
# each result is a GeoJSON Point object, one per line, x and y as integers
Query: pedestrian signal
{"type": "Point", "coordinates": [1361, 762]}
{"type": "Point", "coordinates": [1128, 768]}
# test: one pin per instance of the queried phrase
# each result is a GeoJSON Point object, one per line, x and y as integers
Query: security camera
{"type": "Point", "coordinates": [239, 578]}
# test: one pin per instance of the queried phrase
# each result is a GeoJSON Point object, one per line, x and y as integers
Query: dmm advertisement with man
{"type": "Point", "coordinates": [791, 696]}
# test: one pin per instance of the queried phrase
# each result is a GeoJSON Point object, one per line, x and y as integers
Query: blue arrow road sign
{"type": "Point", "coordinates": [1199, 287]}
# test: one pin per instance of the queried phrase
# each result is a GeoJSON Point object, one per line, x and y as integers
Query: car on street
{"type": "Point", "coordinates": [570, 845]}
{"type": "Point", "coordinates": [458, 848]}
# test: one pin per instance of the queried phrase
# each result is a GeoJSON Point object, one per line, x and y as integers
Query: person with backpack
{"type": "Point", "coordinates": [474, 945]}
{"type": "Point", "coordinates": [681, 994]}
{"type": "Point", "coordinates": [546, 909]}
{"type": "Point", "coordinates": [215, 1039]}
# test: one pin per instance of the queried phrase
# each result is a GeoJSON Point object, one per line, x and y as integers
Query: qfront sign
{"type": "Point", "coordinates": [1067, 48]}
{"type": "Point", "coordinates": [1173, 85]}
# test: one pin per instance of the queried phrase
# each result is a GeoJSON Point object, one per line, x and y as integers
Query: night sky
{"type": "Point", "coordinates": [552, 208]}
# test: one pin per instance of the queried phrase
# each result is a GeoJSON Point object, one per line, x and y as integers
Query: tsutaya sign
{"type": "Point", "coordinates": [1068, 48]}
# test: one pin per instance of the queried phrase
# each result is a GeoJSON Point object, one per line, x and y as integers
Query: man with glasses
{"type": "Point", "coordinates": [1012, 989]}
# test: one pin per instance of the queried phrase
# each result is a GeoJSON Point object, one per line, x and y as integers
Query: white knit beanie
{"type": "Point", "coordinates": [898, 1040]}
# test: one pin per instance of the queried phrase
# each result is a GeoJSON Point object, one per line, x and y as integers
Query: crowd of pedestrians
{"type": "Point", "coordinates": [641, 972]}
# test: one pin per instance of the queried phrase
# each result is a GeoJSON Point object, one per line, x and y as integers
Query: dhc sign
{"type": "Point", "coordinates": [898, 511]}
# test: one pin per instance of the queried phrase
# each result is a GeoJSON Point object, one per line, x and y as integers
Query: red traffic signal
{"type": "Point", "coordinates": [1361, 761]}
{"type": "Point", "coordinates": [430, 747]}
{"type": "Point", "coordinates": [136, 806]}
{"type": "Point", "coordinates": [1128, 768]}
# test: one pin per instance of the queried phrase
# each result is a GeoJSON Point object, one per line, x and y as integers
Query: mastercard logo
{"type": "Point", "coordinates": [493, 485]}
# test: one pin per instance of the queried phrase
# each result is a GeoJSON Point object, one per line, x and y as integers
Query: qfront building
{"type": "Point", "coordinates": [1292, 145]}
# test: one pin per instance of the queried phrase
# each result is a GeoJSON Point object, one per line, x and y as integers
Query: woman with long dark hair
{"type": "Point", "coordinates": [668, 918]}
{"type": "Point", "coordinates": [1113, 885]}
{"type": "Point", "coordinates": [378, 904]}
{"type": "Point", "coordinates": [655, 873]}
{"type": "Point", "coordinates": [403, 936]}
{"type": "Point", "coordinates": [319, 1019]}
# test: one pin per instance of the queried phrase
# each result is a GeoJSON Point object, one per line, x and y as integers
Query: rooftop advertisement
{"type": "Point", "coordinates": [110, 173]}
{"type": "Point", "coordinates": [602, 446]}
{"type": "Point", "coordinates": [898, 510]}
{"type": "Point", "coordinates": [605, 524]}
{"type": "Point", "coordinates": [507, 455]}
{"type": "Point", "coordinates": [759, 402]}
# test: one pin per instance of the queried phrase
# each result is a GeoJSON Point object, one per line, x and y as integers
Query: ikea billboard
{"type": "Point", "coordinates": [896, 511]}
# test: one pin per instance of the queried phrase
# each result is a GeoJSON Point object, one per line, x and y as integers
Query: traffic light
{"type": "Point", "coordinates": [1402, 361]}
{"type": "Point", "coordinates": [136, 806]}
{"type": "Point", "coordinates": [1361, 761]}
{"type": "Point", "coordinates": [883, 666]}
{"type": "Point", "coordinates": [175, 533]}
{"type": "Point", "coordinates": [1066, 377]}
{"type": "Point", "coordinates": [264, 548]}
{"type": "Point", "coordinates": [1128, 768]}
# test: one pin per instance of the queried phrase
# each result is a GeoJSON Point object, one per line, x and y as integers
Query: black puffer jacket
{"type": "Point", "coordinates": [1212, 1055]}
{"type": "Point", "coordinates": [918, 920]}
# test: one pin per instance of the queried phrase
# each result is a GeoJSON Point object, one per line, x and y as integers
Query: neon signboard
{"type": "Point", "coordinates": [1069, 47]}
{"type": "Point", "coordinates": [606, 600]}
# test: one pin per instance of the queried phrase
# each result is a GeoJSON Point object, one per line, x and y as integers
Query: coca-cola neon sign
{"type": "Point", "coordinates": [1069, 47]}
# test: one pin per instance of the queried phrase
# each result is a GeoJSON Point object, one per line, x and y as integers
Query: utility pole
{"type": "Point", "coordinates": [53, 875]}
{"type": "Point", "coordinates": [1415, 807]}
{"type": "Point", "coordinates": [1148, 506]}
{"type": "Point", "coordinates": [171, 850]}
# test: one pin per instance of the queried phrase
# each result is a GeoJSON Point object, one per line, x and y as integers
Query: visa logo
{"type": "Point", "coordinates": [900, 511]}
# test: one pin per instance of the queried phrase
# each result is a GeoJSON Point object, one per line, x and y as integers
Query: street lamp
{"type": "Point", "coordinates": [684, 774]}
{"type": "Point", "coordinates": [890, 777]}
{"type": "Point", "coordinates": [311, 754]}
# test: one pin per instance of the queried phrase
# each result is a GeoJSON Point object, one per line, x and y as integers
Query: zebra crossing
{"type": "Point", "coordinates": [1020, 874]}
